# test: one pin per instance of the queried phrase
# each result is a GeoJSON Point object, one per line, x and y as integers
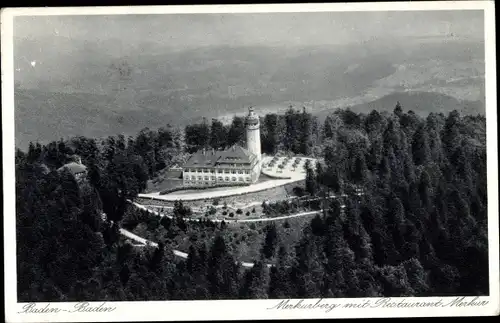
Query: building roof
{"type": "Point", "coordinates": [235, 155]}
{"type": "Point", "coordinates": [74, 168]}
{"type": "Point", "coordinates": [213, 158]}
{"type": "Point", "coordinates": [252, 118]}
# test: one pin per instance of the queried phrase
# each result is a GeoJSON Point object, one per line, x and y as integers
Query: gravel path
{"type": "Point", "coordinates": [284, 217]}
{"type": "Point", "coordinates": [230, 191]}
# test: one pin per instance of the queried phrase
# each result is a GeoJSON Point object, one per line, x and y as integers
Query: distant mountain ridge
{"type": "Point", "coordinates": [419, 102]}
{"type": "Point", "coordinates": [85, 90]}
{"type": "Point", "coordinates": [38, 119]}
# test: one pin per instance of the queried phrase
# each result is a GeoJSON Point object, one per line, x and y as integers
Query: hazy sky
{"type": "Point", "coordinates": [193, 30]}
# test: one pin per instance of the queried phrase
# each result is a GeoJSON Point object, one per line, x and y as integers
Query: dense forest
{"type": "Point", "coordinates": [420, 229]}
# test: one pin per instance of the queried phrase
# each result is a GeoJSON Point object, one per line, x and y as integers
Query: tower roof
{"type": "Point", "coordinates": [252, 118]}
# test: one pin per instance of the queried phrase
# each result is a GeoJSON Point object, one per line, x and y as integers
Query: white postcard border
{"type": "Point", "coordinates": [244, 309]}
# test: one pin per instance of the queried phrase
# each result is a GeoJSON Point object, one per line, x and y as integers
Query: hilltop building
{"type": "Point", "coordinates": [234, 165]}
{"type": "Point", "coordinates": [76, 168]}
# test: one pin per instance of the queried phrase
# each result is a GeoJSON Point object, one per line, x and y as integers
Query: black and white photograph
{"type": "Point", "coordinates": [281, 163]}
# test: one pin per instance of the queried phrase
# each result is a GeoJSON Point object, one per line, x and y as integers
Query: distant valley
{"type": "Point", "coordinates": [86, 92]}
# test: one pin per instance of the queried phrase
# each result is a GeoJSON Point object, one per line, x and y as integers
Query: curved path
{"type": "Point", "coordinates": [284, 217]}
{"type": "Point", "coordinates": [202, 210]}
{"type": "Point", "coordinates": [145, 242]}
{"type": "Point", "coordinates": [236, 206]}
{"type": "Point", "coordinates": [177, 253]}
{"type": "Point", "coordinates": [220, 192]}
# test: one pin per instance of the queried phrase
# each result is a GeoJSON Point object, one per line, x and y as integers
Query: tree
{"type": "Point", "coordinates": [270, 241]}
{"type": "Point", "coordinates": [236, 133]}
{"type": "Point", "coordinates": [395, 281]}
{"type": "Point", "coordinates": [197, 136]}
{"type": "Point", "coordinates": [398, 110]}
{"type": "Point", "coordinates": [254, 285]}
{"type": "Point", "coordinates": [350, 118]}
{"type": "Point", "coordinates": [397, 221]}
{"type": "Point", "coordinates": [124, 178]}
{"type": "Point", "coordinates": [373, 122]}
{"type": "Point", "coordinates": [182, 211]}
{"type": "Point", "coordinates": [359, 171]}
{"type": "Point", "coordinates": [218, 134]}
{"type": "Point", "coordinates": [339, 258]}
{"type": "Point", "coordinates": [311, 184]}
{"type": "Point", "coordinates": [420, 146]}
{"type": "Point", "coordinates": [375, 154]}
{"type": "Point", "coordinates": [165, 137]}
{"type": "Point", "coordinates": [307, 273]}
{"type": "Point", "coordinates": [417, 277]}
{"type": "Point", "coordinates": [85, 148]}
{"type": "Point", "coordinates": [451, 133]}
{"type": "Point", "coordinates": [146, 147]}
{"type": "Point", "coordinates": [424, 190]}
{"type": "Point", "coordinates": [305, 126]}
{"type": "Point", "coordinates": [317, 226]}
{"type": "Point", "coordinates": [270, 134]}
{"type": "Point", "coordinates": [222, 274]}
{"type": "Point", "coordinates": [355, 233]}
{"type": "Point", "coordinates": [391, 137]}
{"type": "Point", "coordinates": [57, 242]}
{"type": "Point", "coordinates": [279, 282]}
{"type": "Point", "coordinates": [292, 130]}
{"type": "Point", "coordinates": [329, 127]}
{"type": "Point", "coordinates": [157, 259]}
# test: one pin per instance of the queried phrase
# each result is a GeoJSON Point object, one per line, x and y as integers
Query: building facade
{"type": "Point", "coordinates": [233, 166]}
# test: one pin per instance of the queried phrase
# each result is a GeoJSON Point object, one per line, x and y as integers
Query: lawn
{"type": "Point", "coordinates": [246, 203]}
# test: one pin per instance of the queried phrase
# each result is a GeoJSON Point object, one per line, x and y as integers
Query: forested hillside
{"type": "Point", "coordinates": [420, 229]}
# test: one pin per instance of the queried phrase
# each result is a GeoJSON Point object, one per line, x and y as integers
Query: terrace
{"type": "Point", "coordinates": [286, 167]}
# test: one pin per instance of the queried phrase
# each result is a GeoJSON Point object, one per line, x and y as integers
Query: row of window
{"type": "Point", "coordinates": [193, 180]}
{"type": "Point", "coordinates": [219, 171]}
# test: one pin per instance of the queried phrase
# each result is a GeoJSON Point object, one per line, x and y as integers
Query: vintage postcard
{"type": "Point", "coordinates": [248, 162]}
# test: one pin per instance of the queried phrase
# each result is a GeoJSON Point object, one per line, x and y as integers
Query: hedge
{"type": "Point", "coordinates": [183, 188]}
